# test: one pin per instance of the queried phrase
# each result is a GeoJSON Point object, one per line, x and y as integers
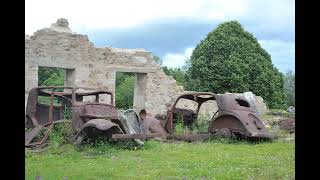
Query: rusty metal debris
{"type": "Point", "coordinates": [234, 114]}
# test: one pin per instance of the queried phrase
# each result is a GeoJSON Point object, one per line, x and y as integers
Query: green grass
{"type": "Point", "coordinates": [160, 160]}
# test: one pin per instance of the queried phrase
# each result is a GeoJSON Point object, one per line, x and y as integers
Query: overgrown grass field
{"type": "Point", "coordinates": [216, 159]}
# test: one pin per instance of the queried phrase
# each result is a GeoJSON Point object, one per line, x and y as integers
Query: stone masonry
{"type": "Point", "coordinates": [93, 67]}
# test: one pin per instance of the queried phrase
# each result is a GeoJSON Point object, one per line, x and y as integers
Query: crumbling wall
{"type": "Point", "coordinates": [96, 67]}
{"type": "Point", "coordinates": [161, 89]}
{"type": "Point", "coordinates": [89, 66]}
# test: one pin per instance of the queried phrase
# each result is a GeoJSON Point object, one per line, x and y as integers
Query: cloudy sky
{"type": "Point", "coordinates": [170, 29]}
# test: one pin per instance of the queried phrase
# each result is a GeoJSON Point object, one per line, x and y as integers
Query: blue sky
{"type": "Point", "coordinates": [171, 29]}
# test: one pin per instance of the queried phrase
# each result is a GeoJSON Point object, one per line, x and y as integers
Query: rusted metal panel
{"type": "Point", "coordinates": [43, 111]}
{"type": "Point", "coordinates": [29, 136]}
{"type": "Point", "coordinates": [93, 110]}
{"type": "Point", "coordinates": [98, 128]}
{"type": "Point", "coordinates": [34, 133]}
{"type": "Point", "coordinates": [51, 106]}
{"type": "Point", "coordinates": [76, 119]}
{"type": "Point", "coordinates": [101, 124]}
{"type": "Point", "coordinates": [31, 108]}
{"type": "Point", "coordinates": [130, 121]}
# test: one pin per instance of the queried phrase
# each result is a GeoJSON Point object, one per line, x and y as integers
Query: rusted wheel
{"type": "Point", "coordinates": [79, 140]}
{"type": "Point", "coordinates": [224, 133]}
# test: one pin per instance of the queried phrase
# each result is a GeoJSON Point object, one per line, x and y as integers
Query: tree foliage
{"type": "Point", "coordinates": [158, 60]}
{"type": "Point", "coordinates": [230, 59]}
{"type": "Point", "coordinates": [177, 73]}
{"type": "Point", "coordinates": [50, 76]}
{"type": "Point", "coordinates": [289, 88]}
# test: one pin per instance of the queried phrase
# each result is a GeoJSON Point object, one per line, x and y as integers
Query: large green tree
{"type": "Point", "coordinates": [230, 59]}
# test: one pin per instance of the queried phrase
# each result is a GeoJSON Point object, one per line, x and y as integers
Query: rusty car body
{"type": "Point", "coordinates": [234, 114]}
{"type": "Point", "coordinates": [90, 117]}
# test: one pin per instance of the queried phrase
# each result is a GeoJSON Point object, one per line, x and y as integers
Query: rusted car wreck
{"type": "Point", "coordinates": [235, 116]}
{"type": "Point", "coordinates": [90, 119]}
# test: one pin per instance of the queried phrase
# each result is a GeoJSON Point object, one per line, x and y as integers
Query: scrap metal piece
{"type": "Point", "coordinates": [42, 140]}
{"type": "Point", "coordinates": [29, 136]}
{"type": "Point", "coordinates": [131, 122]}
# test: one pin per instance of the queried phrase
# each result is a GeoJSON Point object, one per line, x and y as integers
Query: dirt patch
{"type": "Point", "coordinates": [287, 125]}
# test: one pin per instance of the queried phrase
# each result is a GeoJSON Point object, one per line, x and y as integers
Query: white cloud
{"type": "Point", "coordinates": [177, 59]}
{"type": "Point", "coordinates": [98, 14]}
{"type": "Point", "coordinates": [272, 14]}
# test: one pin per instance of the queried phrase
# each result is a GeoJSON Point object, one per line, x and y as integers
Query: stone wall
{"type": "Point", "coordinates": [93, 67]}
{"type": "Point", "coordinates": [88, 66]}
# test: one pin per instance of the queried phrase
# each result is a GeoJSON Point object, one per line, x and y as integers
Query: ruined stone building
{"type": "Point", "coordinates": [88, 66]}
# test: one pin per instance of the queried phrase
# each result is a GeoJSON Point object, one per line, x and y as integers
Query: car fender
{"type": "Point", "coordinates": [105, 126]}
